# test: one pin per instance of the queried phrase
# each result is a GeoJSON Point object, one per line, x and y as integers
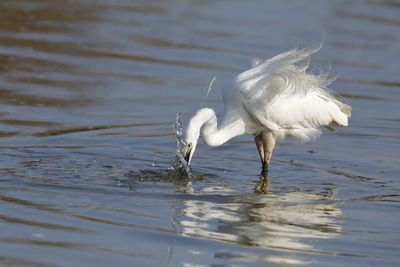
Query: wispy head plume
{"type": "Point", "coordinates": [210, 87]}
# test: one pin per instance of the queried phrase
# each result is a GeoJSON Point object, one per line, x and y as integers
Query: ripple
{"type": "Point", "coordinates": [44, 225]}
{"type": "Point", "coordinates": [347, 45]}
{"type": "Point", "coordinates": [395, 198]}
{"type": "Point", "coordinates": [94, 128]}
{"type": "Point", "coordinates": [22, 261]}
{"type": "Point", "coordinates": [11, 97]}
{"type": "Point", "coordinates": [30, 123]}
{"type": "Point", "coordinates": [148, 59]}
{"type": "Point", "coordinates": [87, 89]}
{"type": "Point", "coordinates": [381, 83]}
{"type": "Point", "coordinates": [365, 97]}
{"type": "Point", "coordinates": [158, 42]}
{"type": "Point", "coordinates": [8, 134]}
{"type": "Point", "coordinates": [368, 18]}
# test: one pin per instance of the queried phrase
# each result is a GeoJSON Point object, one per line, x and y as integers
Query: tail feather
{"type": "Point", "coordinates": [346, 109]}
{"type": "Point", "coordinates": [340, 119]}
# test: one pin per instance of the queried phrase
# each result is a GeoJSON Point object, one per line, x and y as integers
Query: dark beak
{"type": "Point", "coordinates": [187, 156]}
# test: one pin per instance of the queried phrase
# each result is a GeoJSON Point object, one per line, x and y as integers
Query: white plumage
{"type": "Point", "coordinates": [271, 100]}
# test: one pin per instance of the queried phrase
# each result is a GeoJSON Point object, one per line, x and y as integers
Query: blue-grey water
{"type": "Point", "coordinates": [88, 96]}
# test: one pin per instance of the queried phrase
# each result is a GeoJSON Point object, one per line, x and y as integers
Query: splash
{"type": "Point", "coordinates": [180, 165]}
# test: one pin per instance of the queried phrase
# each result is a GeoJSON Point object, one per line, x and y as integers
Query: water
{"type": "Point", "coordinates": [180, 166]}
{"type": "Point", "coordinates": [88, 98]}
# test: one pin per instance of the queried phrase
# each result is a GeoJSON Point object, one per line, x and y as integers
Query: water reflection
{"type": "Point", "coordinates": [87, 98]}
{"type": "Point", "coordinates": [284, 222]}
{"type": "Point", "coordinates": [262, 185]}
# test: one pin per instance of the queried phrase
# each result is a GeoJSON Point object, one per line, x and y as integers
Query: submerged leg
{"type": "Point", "coordinates": [260, 147]}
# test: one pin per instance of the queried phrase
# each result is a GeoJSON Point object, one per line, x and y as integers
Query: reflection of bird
{"type": "Point", "coordinates": [262, 185]}
{"type": "Point", "coordinates": [273, 99]}
{"type": "Point", "coordinates": [290, 221]}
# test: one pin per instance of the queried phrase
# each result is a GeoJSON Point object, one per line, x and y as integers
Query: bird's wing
{"type": "Point", "coordinates": [308, 111]}
{"type": "Point", "coordinates": [267, 79]}
{"type": "Point", "coordinates": [279, 93]}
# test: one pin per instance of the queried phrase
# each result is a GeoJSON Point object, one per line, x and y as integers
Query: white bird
{"type": "Point", "coordinates": [271, 100]}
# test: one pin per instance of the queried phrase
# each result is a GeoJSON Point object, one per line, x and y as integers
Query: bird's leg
{"type": "Point", "coordinates": [260, 147]}
{"type": "Point", "coordinates": [264, 169]}
{"type": "Point", "coordinates": [268, 141]}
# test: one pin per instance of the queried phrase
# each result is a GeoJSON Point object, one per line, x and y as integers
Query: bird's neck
{"type": "Point", "coordinates": [206, 121]}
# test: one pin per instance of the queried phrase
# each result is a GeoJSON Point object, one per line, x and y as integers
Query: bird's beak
{"type": "Point", "coordinates": [187, 153]}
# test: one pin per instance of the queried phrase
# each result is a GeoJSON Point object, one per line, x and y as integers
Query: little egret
{"type": "Point", "coordinates": [273, 99]}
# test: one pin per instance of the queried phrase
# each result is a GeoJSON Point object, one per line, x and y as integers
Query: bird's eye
{"type": "Point", "coordinates": [190, 145]}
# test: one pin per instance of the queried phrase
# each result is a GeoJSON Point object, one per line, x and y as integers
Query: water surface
{"type": "Point", "coordinates": [88, 97]}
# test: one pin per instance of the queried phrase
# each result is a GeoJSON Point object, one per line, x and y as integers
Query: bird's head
{"type": "Point", "coordinates": [191, 142]}
{"type": "Point", "coordinates": [203, 117]}
{"type": "Point", "coordinates": [191, 138]}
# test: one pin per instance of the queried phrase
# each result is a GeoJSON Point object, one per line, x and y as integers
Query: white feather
{"type": "Point", "coordinates": [277, 98]}
{"type": "Point", "coordinates": [281, 96]}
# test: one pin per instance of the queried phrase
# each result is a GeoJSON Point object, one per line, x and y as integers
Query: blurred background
{"type": "Point", "coordinates": [89, 90]}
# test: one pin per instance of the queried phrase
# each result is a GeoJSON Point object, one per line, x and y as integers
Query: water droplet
{"type": "Point", "coordinates": [180, 166]}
